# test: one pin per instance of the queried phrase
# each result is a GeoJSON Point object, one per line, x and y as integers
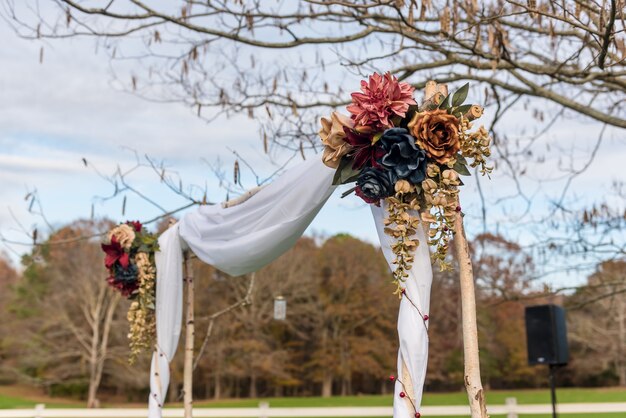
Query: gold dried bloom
{"type": "Point", "coordinates": [429, 186]}
{"type": "Point", "coordinates": [333, 138]}
{"type": "Point", "coordinates": [141, 315]}
{"type": "Point", "coordinates": [450, 178]}
{"type": "Point", "coordinates": [475, 145]}
{"type": "Point", "coordinates": [432, 170]}
{"type": "Point", "coordinates": [403, 186]}
{"type": "Point", "coordinates": [437, 132]}
{"type": "Point", "coordinates": [401, 224]}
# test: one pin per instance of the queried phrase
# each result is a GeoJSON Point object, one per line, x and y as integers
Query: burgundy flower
{"type": "Point", "coordinates": [135, 224]}
{"type": "Point", "coordinates": [359, 192]}
{"type": "Point", "coordinates": [363, 152]}
{"type": "Point", "coordinates": [114, 253]}
{"type": "Point", "coordinates": [382, 98]}
{"type": "Point", "coordinates": [125, 288]}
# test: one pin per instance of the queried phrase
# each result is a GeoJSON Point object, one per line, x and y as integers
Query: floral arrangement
{"type": "Point", "coordinates": [129, 250]}
{"type": "Point", "coordinates": [409, 155]}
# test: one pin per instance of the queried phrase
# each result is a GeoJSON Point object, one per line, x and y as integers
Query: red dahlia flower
{"type": "Point", "coordinates": [382, 98]}
{"type": "Point", "coordinates": [115, 252]}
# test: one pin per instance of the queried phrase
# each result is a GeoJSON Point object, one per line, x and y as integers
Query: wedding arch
{"type": "Point", "coordinates": [406, 159]}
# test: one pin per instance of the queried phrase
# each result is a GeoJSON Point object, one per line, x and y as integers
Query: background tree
{"type": "Point", "coordinates": [597, 326]}
{"type": "Point", "coordinates": [351, 325]}
{"type": "Point", "coordinates": [8, 279]}
{"type": "Point", "coordinates": [68, 311]}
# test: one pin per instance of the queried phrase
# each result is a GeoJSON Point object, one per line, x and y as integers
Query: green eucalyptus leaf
{"type": "Point", "coordinates": [461, 168]}
{"type": "Point", "coordinates": [461, 110]}
{"type": "Point", "coordinates": [460, 95]}
{"type": "Point", "coordinates": [446, 103]}
{"type": "Point", "coordinates": [345, 173]}
{"type": "Point", "coordinates": [461, 158]}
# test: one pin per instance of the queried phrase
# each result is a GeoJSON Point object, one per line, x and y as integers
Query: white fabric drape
{"type": "Point", "coordinates": [246, 237]}
{"type": "Point", "coordinates": [412, 325]}
{"type": "Point", "coordinates": [236, 240]}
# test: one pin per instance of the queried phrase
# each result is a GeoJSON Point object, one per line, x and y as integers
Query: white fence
{"type": "Point", "coordinates": [510, 410]}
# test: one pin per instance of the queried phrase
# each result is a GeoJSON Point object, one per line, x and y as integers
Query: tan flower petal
{"type": "Point", "coordinates": [333, 137]}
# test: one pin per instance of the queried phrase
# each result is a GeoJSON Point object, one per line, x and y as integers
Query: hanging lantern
{"type": "Point", "coordinates": [280, 308]}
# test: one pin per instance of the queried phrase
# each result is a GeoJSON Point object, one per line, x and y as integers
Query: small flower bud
{"type": "Point", "coordinates": [403, 186]}
{"type": "Point", "coordinates": [429, 185]}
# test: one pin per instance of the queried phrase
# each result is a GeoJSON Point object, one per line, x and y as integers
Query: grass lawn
{"type": "Point", "coordinates": [539, 396]}
{"type": "Point", "coordinates": [17, 397]}
{"type": "Point", "coordinates": [11, 402]}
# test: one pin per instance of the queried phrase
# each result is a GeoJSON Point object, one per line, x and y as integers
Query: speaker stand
{"type": "Point", "coordinates": [553, 368]}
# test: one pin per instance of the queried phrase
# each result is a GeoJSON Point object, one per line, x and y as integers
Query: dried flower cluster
{"type": "Point", "coordinates": [141, 315]}
{"type": "Point", "coordinates": [401, 223]}
{"type": "Point", "coordinates": [441, 198]}
{"type": "Point", "coordinates": [475, 145]}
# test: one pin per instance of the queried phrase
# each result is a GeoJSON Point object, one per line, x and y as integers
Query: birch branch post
{"type": "Point", "coordinates": [190, 332]}
{"type": "Point", "coordinates": [189, 335]}
{"type": "Point", "coordinates": [473, 384]}
{"type": "Point", "coordinates": [434, 94]}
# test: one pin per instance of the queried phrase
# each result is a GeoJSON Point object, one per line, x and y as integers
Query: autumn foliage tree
{"type": "Point", "coordinates": [68, 315]}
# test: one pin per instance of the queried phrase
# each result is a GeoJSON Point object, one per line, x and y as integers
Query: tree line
{"type": "Point", "coordinates": [63, 329]}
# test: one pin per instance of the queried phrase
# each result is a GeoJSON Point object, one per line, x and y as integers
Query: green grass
{"type": "Point", "coordinates": [11, 402]}
{"type": "Point", "coordinates": [539, 396]}
{"type": "Point", "coordinates": [10, 399]}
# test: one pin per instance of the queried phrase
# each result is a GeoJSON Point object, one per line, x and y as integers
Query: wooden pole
{"type": "Point", "coordinates": [190, 333]}
{"type": "Point", "coordinates": [473, 384]}
{"type": "Point", "coordinates": [189, 337]}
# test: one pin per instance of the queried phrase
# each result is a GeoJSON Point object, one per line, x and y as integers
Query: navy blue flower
{"type": "Point", "coordinates": [402, 156]}
{"type": "Point", "coordinates": [128, 275]}
{"type": "Point", "coordinates": [374, 184]}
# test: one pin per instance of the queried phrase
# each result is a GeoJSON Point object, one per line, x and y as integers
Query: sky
{"type": "Point", "coordinates": [69, 107]}
{"type": "Point", "coordinates": [55, 113]}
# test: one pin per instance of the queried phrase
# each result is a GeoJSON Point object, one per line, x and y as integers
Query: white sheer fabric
{"type": "Point", "coordinates": [246, 237]}
{"type": "Point", "coordinates": [236, 240]}
{"type": "Point", "coordinates": [412, 327]}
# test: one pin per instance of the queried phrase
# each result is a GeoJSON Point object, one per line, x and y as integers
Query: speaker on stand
{"type": "Point", "coordinates": [546, 336]}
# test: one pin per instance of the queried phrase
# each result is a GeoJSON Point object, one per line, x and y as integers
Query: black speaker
{"type": "Point", "coordinates": [546, 335]}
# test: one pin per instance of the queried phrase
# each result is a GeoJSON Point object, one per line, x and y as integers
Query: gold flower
{"type": "Point", "coordinates": [432, 170]}
{"type": "Point", "coordinates": [450, 178]}
{"type": "Point", "coordinates": [403, 186]}
{"type": "Point", "coordinates": [429, 186]}
{"type": "Point", "coordinates": [124, 234]}
{"type": "Point", "coordinates": [333, 137]}
{"type": "Point", "coordinates": [437, 132]}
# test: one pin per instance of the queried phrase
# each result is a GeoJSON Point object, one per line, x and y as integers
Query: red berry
{"type": "Point", "coordinates": [426, 317]}
{"type": "Point", "coordinates": [404, 291]}
{"type": "Point", "coordinates": [418, 415]}
{"type": "Point", "coordinates": [458, 208]}
{"type": "Point", "coordinates": [392, 378]}
{"type": "Point", "coordinates": [402, 394]}
{"type": "Point", "coordinates": [445, 228]}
